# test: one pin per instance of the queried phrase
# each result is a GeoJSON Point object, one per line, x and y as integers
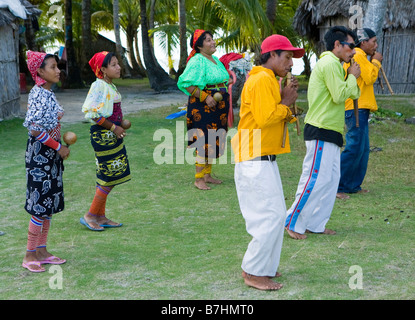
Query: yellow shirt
{"type": "Point", "coordinates": [261, 127]}
{"type": "Point", "coordinates": [368, 76]}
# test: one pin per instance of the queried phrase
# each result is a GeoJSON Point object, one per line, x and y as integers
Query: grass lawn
{"type": "Point", "coordinates": [181, 243]}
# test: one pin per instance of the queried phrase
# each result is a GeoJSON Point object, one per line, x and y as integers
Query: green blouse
{"type": "Point", "coordinates": [200, 72]}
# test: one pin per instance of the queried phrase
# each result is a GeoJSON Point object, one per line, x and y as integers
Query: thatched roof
{"type": "Point", "coordinates": [311, 13]}
{"type": "Point", "coordinates": [7, 17]}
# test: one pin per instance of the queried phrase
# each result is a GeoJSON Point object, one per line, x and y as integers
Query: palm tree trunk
{"type": "Point", "coordinates": [138, 56]}
{"type": "Point", "coordinates": [182, 37]}
{"type": "Point", "coordinates": [119, 50]}
{"type": "Point", "coordinates": [271, 10]}
{"type": "Point", "coordinates": [130, 46]}
{"type": "Point", "coordinates": [159, 79]}
{"type": "Point", "coordinates": [374, 18]}
{"type": "Point", "coordinates": [86, 73]}
{"type": "Point", "coordinates": [74, 74]}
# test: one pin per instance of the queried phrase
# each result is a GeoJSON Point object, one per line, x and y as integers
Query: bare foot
{"type": "Point", "coordinates": [208, 178]}
{"type": "Point", "coordinates": [295, 235]}
{"type": "Point", "coordinates": [42, 254]}
{"type": "Point", "coordinates": [260, 283]}
{"type": "Point", "coordinates": [342, 195]}
{"type": "Point", "coordinates": [326, 231]}
{"type": "Point", "coordinates": [329, 232]}
{"type": "Point", "coordinates": [31, 263]}
{"type": "Point", "coordinates": [105, 222]}
{"type": "Point", "coordinates": [277, 275]}
{"type": "Point", "coordinates": [201, 184]}
{"type": "Point", "coordinates": [92, 222]}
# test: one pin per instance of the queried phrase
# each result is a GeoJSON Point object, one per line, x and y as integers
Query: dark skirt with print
{"type": "Point", "coordinates": [44, 170]}
{"type": "Point", "coordinates": [111, 157]}
{"type": "Point", "coordinates": [207, 127]}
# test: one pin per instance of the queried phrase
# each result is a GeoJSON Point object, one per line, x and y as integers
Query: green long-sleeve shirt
{"type": "Point", "coordinates": [327, 93]}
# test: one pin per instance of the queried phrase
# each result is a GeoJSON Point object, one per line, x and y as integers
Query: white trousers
{"type": "Point", "coordinates": [261, 200]}
{"type": "Point", "coordinates": [317, 188]}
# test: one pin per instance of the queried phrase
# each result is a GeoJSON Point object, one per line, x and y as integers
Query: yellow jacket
{"type": "Point", "coordinates": [368, 76]}
{"type": "Point", "coordinates": [261, 126]}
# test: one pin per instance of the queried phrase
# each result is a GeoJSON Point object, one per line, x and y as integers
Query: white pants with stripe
{"type": "Point", "coordinates": [317, 188]}
{"type": "Point", "coordinates": [261, 199]}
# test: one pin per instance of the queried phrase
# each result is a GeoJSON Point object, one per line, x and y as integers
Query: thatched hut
{"type": "Point", "coordinates": [314, 17]}
{"type": "Point", "coordinates": [10, 13]}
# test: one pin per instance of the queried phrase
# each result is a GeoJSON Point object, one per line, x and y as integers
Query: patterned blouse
{"type": "Point", "coordinates": [43, 112]}
{"type": "Point", "coordinates": [200, 72]}
{"type": "Point", "coordinates": [100, 100]}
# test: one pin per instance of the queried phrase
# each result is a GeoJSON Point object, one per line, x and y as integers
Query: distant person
{"type": "Point", "coordinates": [207, 119]}
{"type": "Point", "coordinates": [102, 107]}
{"type": "Point", "coordinates": [44, 159]}
{"type": "Point", "coordinates": [264, 113]}
{"type": "Point", "coordinates": [355, 156]}
{"type": "Point", "coordinates": [323, 134]}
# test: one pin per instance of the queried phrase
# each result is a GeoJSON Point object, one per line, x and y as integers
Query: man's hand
{"type": "Point", "coordinates": [354, 69]}
{"type": "Point", "coordinates": [289, 93]}
{"type": "Point", "coordinates": [378, 56]}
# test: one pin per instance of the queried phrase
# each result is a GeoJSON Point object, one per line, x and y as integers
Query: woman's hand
{"type": "Point", "coordinates": [210, 101]}
{"type": "Point", "coordinates": [119, 132]}
{"type": "Point", "coordinates": [64, 152]}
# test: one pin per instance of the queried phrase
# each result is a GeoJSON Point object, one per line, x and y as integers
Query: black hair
{"type": "Point", "coordinates": [108, 58]}
{"type": "Point", "coordinates": [337, 33]}
{"type": "Point", "coordinates": [48, 56]}
{"type": "Point", "coordinates": [265, 57]}
{"type": "Point", "coordinates": [199, 42]}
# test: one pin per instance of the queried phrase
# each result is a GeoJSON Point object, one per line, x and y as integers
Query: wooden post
{"type": "Point", "coordinates": [356, 106]}
{"type": "Point", "coordinates": [386, 80]}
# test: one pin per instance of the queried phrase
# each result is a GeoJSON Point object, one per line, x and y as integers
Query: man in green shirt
{"type": "Point", "coordinates": [328, 90]}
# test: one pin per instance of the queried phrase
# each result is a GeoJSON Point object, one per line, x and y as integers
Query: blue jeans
{"type": "Point", "coordinates": [355, 156]}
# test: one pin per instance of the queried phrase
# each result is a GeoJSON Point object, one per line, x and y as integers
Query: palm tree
{"type": "Point", "coordinates": [271, 10]}
{"type": "Point", "coordinates": [86, 42]}
{"type": "Point", "coordinates": [119, 51]}
{"type": "Point", "coordinates": [374, 17]}
{"type": "Point", "coordinates": [182, 36]}
{"type": "Point", "coordinates": [130, 22]}
{"type": "Point", "coordinates": [159, 79]}
{"type": "Point", "coordinates": [74, 74]}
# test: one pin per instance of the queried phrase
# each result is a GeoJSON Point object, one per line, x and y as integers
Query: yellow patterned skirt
{"type": "Point", "coordinates": [111, 157]}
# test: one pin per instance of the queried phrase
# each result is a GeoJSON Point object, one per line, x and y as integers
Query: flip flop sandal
{"type": "Point", "coordinates": [82, 221]}
{"type": "Point", "coordinates": [106, 225]}
{"type": "Point", "coordinates": [33, 263]}
{"type": "Point", "coordinates": [50, 260]}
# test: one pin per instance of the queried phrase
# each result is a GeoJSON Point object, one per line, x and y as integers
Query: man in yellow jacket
{"type": "Point", "coordinates": [264, 111]}
{"type": "Point", "coordinates": [355, 157]}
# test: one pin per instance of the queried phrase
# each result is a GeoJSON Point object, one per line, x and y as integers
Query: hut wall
{"type": "Point", "coordinates": [399, 61]}
{"type": "Point", "coordinates": [9, 72]}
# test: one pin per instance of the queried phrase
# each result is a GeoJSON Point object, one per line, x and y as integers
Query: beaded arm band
{"type": "Point", "coordinates": [203, 94]}
{"type": "Point", "coordinates": [45, 138]}
{"type": "Point", "coordinates": [100, 120]}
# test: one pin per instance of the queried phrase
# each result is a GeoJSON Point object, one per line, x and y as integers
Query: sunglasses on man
{"type": "Point", "coordinates": [351, 45]}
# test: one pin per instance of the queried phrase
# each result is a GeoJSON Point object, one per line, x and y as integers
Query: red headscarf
{"type": "Point", "coordinates": [96, 63]}
{"type": "Point", "coordinates": [196, 36]}
{"type": "Point", "coordinates": [34, 61]}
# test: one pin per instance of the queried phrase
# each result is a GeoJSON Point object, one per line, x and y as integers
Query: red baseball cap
{"type": "Point", "coordinates": [278, 42]}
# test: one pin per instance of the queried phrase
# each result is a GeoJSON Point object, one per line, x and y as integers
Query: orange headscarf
{"type": "Point", "coordinates": [96, 63]}
{"type": "Point", "coordinates": [196, 36]}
